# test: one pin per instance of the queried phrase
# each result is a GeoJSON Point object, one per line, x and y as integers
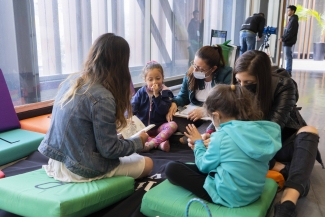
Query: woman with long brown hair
{"type": "Point", "coordinates": [207, 69]}
{"type": "Point", "coordinates": [88, 110]}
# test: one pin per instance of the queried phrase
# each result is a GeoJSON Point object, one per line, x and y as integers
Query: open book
{"type": "Point", "coordinates": [183, 111]}
{"type": "Point", "coordinates": [134, 127]}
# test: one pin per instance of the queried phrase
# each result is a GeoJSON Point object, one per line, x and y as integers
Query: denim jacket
{"type": "Point", "coordinates": [82, 134]}
{"type": "Point", "coordinates": [185, 96]}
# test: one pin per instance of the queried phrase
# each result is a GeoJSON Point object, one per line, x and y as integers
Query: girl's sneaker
{"type": "Point", "coordinates": [164, 146]}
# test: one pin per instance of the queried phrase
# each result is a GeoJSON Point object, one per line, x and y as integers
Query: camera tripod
{"type": "Point", "coordinates": [265, 47]}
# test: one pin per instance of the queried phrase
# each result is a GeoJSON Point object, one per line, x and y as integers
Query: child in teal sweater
{"type": "Point", "coordinates": [231, 170]}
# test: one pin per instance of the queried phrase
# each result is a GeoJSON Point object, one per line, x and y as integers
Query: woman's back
{"type": "Point", "coordinates": [83, 132]}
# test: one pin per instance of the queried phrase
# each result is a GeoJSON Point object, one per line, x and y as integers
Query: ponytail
{"type": "Point", "coordinates": [222, 61]}
{"type": "Point", "coordinates": [233, 101]}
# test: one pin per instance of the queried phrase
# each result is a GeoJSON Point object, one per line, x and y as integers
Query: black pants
{"type": "Point", "coordinates": [189, 177]}
{"type": "Point", "coordinates": [300, 151]}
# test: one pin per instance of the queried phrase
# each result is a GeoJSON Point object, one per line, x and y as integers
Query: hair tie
{"type": "Point", "coordinates": [232, 87]}
{"type": "Point", "coordinates": [151, 61]}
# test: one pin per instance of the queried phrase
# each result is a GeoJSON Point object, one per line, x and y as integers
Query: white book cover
{"type": "Point", "coordinates": [134, 127]}
{"type": "Point", "coordinates": [184, 111]}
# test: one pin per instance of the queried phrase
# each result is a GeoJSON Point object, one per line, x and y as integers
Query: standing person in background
{"type": "Point", "coordinates": [201, 31]}
{"type": "Point", "coordinates": [194, 36]}
{"type": "Point", "coordinates": [289, 36]}
{"type": "Point", "coordinates": [253, 24]}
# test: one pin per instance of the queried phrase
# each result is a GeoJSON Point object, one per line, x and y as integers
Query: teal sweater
{"type": "Point", "coordinates": [185, 96]}
{"type": "Point", "coordinates": [237, 160]}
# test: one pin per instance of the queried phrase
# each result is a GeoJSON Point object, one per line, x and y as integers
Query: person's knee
{"type": "Point", "coordinates": [170, 169]}
{"type": "Point", "coordinates": [308, 129]}
{"type": "Point", "coordinates": [173, 125]}
{"type": "Point", "coordinates": [148, 166]}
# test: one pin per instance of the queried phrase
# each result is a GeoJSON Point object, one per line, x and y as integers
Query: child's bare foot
{"type": "Point", "coordinates": [164, 146]}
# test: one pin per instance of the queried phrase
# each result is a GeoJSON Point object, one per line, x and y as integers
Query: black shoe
{"type": "Point", "coordinates": [306, 190]}
{"type": "Point", "coordinates": [285, 209]}
{"type": "Point", "coordinates": [285, 171]}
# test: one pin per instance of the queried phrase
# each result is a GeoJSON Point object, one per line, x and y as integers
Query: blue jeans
{"type": "Point", "coordinates": [288, 52]}
{"type": "Point", "coordinates": [247, 41]}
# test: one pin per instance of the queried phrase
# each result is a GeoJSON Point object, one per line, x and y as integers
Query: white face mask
{"type": "Point", "coordinates": [199, 75]}
{"type": "Point", "coordinates": [216, 127]}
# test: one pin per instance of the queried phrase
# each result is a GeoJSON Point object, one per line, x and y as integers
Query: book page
{"type": "Point", "coordinates": [134, 127]}
{"type": "Point", "coordinates": [183, 112]}
{"type": "Point", "coordinates": [147, 128]}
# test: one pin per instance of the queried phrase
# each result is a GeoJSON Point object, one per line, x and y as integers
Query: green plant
{"type": "Point", "coordinates": [304, 13]}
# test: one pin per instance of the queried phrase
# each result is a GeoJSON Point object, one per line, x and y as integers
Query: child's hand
{"type": "Point", "coordinates": [206, 139]}
{"type": "Point", "coordinates": [144, 137]}
{"type": "Point", "coordinates": [190, 143]}
{"type": "Point", "coordinates": [193, 134]}
{"type": "Point", "coordinates": [155, 89]}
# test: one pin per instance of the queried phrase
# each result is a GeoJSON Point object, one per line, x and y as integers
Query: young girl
{"type": "Point", "coordinates": [151, 104]}
{"type": "Point", "coordinates": [231, 170]}
{"type": "Point", "coordinates": [82, 143]}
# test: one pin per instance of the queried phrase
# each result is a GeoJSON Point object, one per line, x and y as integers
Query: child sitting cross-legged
{"type": "Point", "coordinates": [231, 170]}
{"type": "Point", "coordinates": [151, 104]}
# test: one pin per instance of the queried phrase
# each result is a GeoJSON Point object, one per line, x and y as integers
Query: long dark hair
{"type": "Point", "coordinates": [258, 64]}
{"type": "Point", "coordinates": [233, 101]}
{"type": "Point", "coordinates": [212, 56]}
{"type": "Point", "coordinates": [107, 64]}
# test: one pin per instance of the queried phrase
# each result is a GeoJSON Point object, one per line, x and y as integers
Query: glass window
{"type": "Point", "coordinates": [176, 33]}
{"type": "Point", "coordinates": [42, 41]}
{"type": "Point", "coordinates": [45, 41]}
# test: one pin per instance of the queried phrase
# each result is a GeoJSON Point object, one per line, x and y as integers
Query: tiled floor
{"type": "Point", "coordinates": [310, 77]}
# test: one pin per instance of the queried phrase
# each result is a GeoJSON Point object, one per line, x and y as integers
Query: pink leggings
{"type": "Point", "coordinates": [162, 133]}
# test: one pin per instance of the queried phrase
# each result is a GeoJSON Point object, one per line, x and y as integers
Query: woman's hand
{"type": "Point", "coordinates": [196, 114]}
{"type": "Point", "coordinates": [192, 133]}
{"type": "Point", "coordinates": [144, 137]}
{"type": "Point", "coordinates": [171, 112]}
